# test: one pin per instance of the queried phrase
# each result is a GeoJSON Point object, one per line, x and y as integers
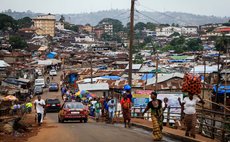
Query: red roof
{"type": "Point", "coordinates": [226, 29]}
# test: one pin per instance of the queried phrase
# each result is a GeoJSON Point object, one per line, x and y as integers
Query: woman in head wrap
{"type": "Point", "coordinates": [157, 114]}
{"type": "Point", "coordinates": [126, 106]}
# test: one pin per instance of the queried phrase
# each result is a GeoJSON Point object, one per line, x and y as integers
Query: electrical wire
{"type": "Point", "coordinates": [148, 17]}
{"type": "Point", "coordinates": [175, 18]}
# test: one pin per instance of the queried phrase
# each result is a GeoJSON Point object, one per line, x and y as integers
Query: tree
{"type": "Point", "coordinates": [167, 48]}
{"type": "Point", "coordinates": [7, 22]}
{"type": "Point", "coordinates": [106, 37]}
{"type": "Point", "coordinates": [140, 26]}
{"type": "Point", "coordinates": [148, 39]}
{"type": "Point", "coordinates": [175, 34]}
{"type": "Point", "coordinates": [17, 42]}
{"type": "Point", "coordinates": [181, 45]}
{"type": "Point", "coordinates": [222, 43]}
{"type": "Point", "coordinates": [71, 27]}
{"type": "Point", "coordinates": [194, 45]}
{"type": "Point", "coordinates": [25, 22]}
{"type": "Point", "coordinates": [138, 59]}
{"type": "Point", "coordinates": [117, 25]}
{"type": "Point", "coordinates": [177, 41]}
{"type": "Point", "coordinates": [151, 26]}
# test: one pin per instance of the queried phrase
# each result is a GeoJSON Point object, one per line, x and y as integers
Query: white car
{"type": "Point", "coordinates": [53, 72]}
{"type": "Point", "coordinates": [40, 82]}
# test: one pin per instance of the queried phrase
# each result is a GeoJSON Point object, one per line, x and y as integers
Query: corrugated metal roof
{"type": "Point", "coordinates": [94, 87]}
{"type": "Point", "coordinates": [3, 64]}
{"type": "Point", "coordinates": [164, 77]}
{"type": "Point", "coordinates": [209, 69]}
{"type": "Point", "coordinates": [134, 66]}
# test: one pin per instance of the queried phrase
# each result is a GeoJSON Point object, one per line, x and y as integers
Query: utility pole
{"type": "Point", "coordinates": [218, 78]}
{"type": "Point", "coordinates": [91, 68]}
{"type": "Point", "coordinates": [131, 41]}
{"type": "Point", "coordinates": [156, 71]}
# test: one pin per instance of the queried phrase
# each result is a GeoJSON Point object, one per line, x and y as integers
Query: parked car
{"type": "Point", "coordinates": [40, 82]}
{"type": "Point", "coordinates": [53, 86]}
{"type": "Point", "coordinates": [73, 111]}
{"type": "Point", "coordinates": [52, 105]}
{"type": "Point", "coordinates": [38, 90]}
{"type": "Point", "coordinates": [53, 72]}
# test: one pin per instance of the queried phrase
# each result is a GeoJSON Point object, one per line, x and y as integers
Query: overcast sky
{"type": "Point", "coordinates": [203, 7]}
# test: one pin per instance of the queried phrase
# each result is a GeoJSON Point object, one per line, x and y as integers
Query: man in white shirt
{"type": "Point", "coordinates": [111, 105]}
{"type": "Point", "coordinates": [39, 105]}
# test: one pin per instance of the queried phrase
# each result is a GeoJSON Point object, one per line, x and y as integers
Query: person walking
{"type": "Point", "coordinates": [97, 110]}
{"type": "Point", "coordinates": [188, 106]}
{"type": "Point", "coordinates": [39, 105]}
{"type": "Point", "coordinates": [29, 106]}
{"type": "Point", "coordinates": [63, 91]}
{"type": "Point", "coordinates": [102, 99]}
{"type": "Point", "coordinates": [157, 116]}
{"type": "Point", "coordinates": [126, 106]}
{"type": "Point", "coordinates": [111, 108]}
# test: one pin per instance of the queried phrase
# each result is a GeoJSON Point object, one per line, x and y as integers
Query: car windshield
{"type": "Point", "coordinates": [39, 81]}
{"type": "Point", "coordinates": [53, 84]}
{"type": "Point", "coordinates": [53, 101]}
{"type": "Point", "coordinates": [38, 88]}
{"type": "Point", "coordinates": [53, 71]}
{"type": "Point", "coordinates": [74, 106]}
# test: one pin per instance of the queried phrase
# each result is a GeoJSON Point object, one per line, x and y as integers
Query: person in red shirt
{"type": "Point", "coordinates": [126, 105]}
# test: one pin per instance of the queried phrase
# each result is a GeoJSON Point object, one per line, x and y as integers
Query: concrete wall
{"type": "Point", "coordinates": [100, 93]}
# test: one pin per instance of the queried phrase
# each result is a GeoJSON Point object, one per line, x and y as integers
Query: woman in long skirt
{"type": "Point", "coordinates": [126, 106]}
{"type": "Point", "coordinates": [189, 108]}
{"type": "Point", "coordinates": [157, 116]}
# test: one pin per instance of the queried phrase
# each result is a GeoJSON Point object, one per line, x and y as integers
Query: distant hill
{"type": "Point", "coordinates": [123, 15]}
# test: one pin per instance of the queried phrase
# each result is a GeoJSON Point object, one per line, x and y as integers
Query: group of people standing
{"type": "Point", "coordinates": [103, 107]}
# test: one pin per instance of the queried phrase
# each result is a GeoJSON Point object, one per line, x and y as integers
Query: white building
{"type": "Point", "coordinates": [167, 31]}
{"type": "Point", "coordinates": [84, 38]}
{"type": "Point", "coordinates": [59, 25]}
{"type": "Point", "coordinates": [147, 33]}
{"type": "Point", "coordinates": [190, 30]}
{"type": "Point", "coordinates": [108, 28]}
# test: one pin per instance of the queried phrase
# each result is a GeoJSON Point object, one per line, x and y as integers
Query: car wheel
{"type": "Point", "coordinates": [85, 120]}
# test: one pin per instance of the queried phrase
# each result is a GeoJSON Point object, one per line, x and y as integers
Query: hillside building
{"type": "Point", "coordinates": [45, 24]}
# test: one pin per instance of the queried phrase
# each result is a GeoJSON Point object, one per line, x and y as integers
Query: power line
{"type": "Point", "coordinates": [175, 18]}
{"type": "Point", "coordinates": [148, 17]}
{"type": "Point", "coordinates": [123, 13]}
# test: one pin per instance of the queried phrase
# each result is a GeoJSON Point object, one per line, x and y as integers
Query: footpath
{"type": "Point", "coordinates": [174, 133]}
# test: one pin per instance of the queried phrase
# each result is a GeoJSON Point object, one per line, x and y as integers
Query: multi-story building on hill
{"type": "Point", "coordinates": [45, 24]}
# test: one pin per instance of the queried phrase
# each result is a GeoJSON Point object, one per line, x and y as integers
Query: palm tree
{"type": "Point", "coordinates": [222, 44]}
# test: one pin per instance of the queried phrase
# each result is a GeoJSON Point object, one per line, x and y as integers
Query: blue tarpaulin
{"type": "Point", "coordinates": [222, 89]}
{"type": "Point", "coordinates": [149, 75]}
{"type": "Point", "coordinates": [51, 55]}
{"type": "Point", "coordinates": [112, 77]}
